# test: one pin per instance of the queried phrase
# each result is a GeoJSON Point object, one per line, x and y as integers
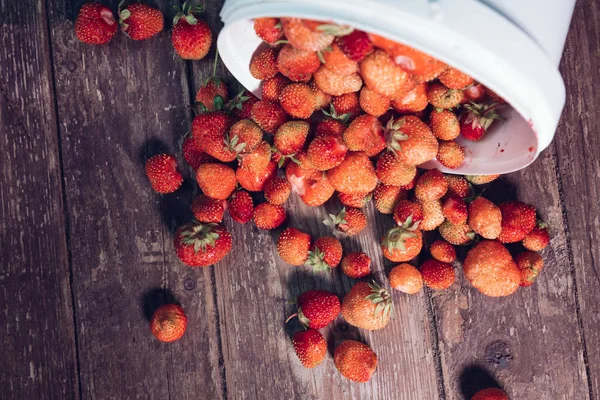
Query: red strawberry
{"type": "Point", "coordinates": [268, 216]}
{"type": "Point", "coordinates": [200, 245]}
{"type": "Point", "coordinates": [162, 172]}
{"type": "Point", "coordinates": [457, 234]}
{"type": "Point", "coordinates": [408, 212]}
{"type": "Point", "coordinates": [443, 98]}
{"type": "Point", "coordinates": [345, 107]}
{"type": "Point", "coordinates": [382, 75]}
{"type": "Point", "coordinates": [490, 394]}
{"type": "Point", "coordinates": [361, 133]}
{"type": "Point", "coordinates": [269, 116]}
{"type": "Point", "coordinates": [442, 251]}
{"type": "Point", "coordinates": [272, 88]}
{"type": "Point", "coordinates": [355, 45]}
{"type": "Point", "coordinates": [245, 131]}
{"type": "Point", "coordinates": [298, 100]}
{"type": "Point", "coordinates": [406, 278]}
{"type": "Point", "coordinates": [311, 35]}
{"type": "Point", "coordinates": [455, 210]}
{"type": "Point", "coordinates": [216, 180]}
{"type": "Point", "coordinates": [431, 186]}
{"type": "Point", "coordinates": [255, 181]}
{"type": "Point", "coordinates": [140, 21]}
{"type": "Point", "coordinates": [293, 246]}
{"type": "Point", "coordinates": [194, 155]}
{"type": "Point", "coordinates": [412, 184]}
{"type": "Point", "coordinates": [354, 175]}
{"type": "Point", "coordinates": [350, 222]}
{"type": "Point", "coordinates": [356, 200]}
{"type": "Point", "coordinates": [518, 219]}
{"type": "Point", "coordinates": [257, 160]}
{"type": "Point", "coordinates": [206, 209]}
{"type": "Point", "coordinates": [455, 79]}
{"type": "Point", "coordinates": [386, 197]}
{"type": "Point", "coordinates": [241, 105]}
{"type": "Point", "coordinates": [373, 103]}
{"type": "Point", "coordinates": [330, 126]}
{"type": "Point", "coordinates": [264, 64]}
{"type": "Point", "coordinates": [475, 92]}
{"type": "Point", "coordinates": [458, 186]}
{"type": "Point", "coordinates": [451, 154]}
{"type": "Point", "coordinates": [335, 60]}
{"type": "Point", "coordinates": [355, 361]}
{"type": "Point", "coordinates": [311, 185]}
{"type": "Point", "coordinates": [337, 84]}
{"type": "Point", "coordinates": [392, 171]}
{"type": "Point", "coordinates": [326, 253]}
{"type": "Point", "coordinates": [213, 95]}
{"type": "Point", "coordinates": [191, 37]}
{"type": "Point", "coordinates": [213, 125]}
{"type": "Point", "coordinates": [356, 265]}
{"type": "Point", "coordinates": [95, 24]}
{"type": "Point", "coordinates": [298, 65]}
{"type": "Point", "coordinates": [477, 119]}
{"type": "Point", "coordinates": [168, 323]}
{"type": "Point", "coordinates": [538, 238]}
{"type": "Point", "coordinates": [317, 308]}
{"type": "Point", "coordinates": [437, 275]}
{"type": "Point", "coordinates": [530, 264]}
{"type": "Point", "coordinates": [277, 190]}
{"type": "Point", "coordinates": [326, 152]}
{"type": "Point", "coordinates": [291, 136]}
{"type": "Point", "coordinates": [310, 347]}
{"type": "Point", "coordinates": [268, 29]}
{"type": "Point", "coordinates": [322, 99]}
{"type": "Point", "coordinates": [485, 218]}
{"type": "Point", "coordinates": [241, 207]}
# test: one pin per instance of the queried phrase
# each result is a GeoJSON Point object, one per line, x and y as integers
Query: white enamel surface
{"type": "Point", "coordinates": [464, 33]}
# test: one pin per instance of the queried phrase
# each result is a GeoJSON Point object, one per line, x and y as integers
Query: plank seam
{"type": "Point", "coordinates": [437, 355]}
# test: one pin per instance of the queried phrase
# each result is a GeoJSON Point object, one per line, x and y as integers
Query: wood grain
{"type": "Point", "coordinates": [118, 105]}
{"type": "Point", "coordinates": [36, 319]}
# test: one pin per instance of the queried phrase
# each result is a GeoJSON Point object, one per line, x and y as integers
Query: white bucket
{"type": "Point", "coordinates": [511, 46]}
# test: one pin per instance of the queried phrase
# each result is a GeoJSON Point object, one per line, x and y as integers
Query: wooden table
{"type": "Point", "coordinates": [86, 246]}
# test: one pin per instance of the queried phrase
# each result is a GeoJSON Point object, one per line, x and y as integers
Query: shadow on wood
{"type": "Point", "coordinates": [475, 378]}
{"type": "Point", "coordinates": [154, 298]}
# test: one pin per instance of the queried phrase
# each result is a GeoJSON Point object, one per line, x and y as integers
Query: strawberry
{"type": "Point", "coordinates": [322, 99]}
{"type": "Point", "coordinates": [330, 126]}
{"type": "Point", "coordinates": [317, 308]}
{"type": "Point", "coordinates": [326, 253]}
{"type": "Point", "coordinates": [394, 172]}
{"type": "Point", "coordinates": [485, 218]}
{"type": "Point", "coordinates": [356, 200]}
{"type": "Point", "coordinates": [356, 265]}
{"type": "Point", "coordinates": [350, 222]}
{"type": "Point", "coordinates": [437, 275]}
{"type": "Point", "coordinates": [246, 132]}
{"type": "Point", "coordinates": [381, 42]}
{"type": "Point", "coordinates": [191, 37]}
{"type": "Point", "coordinates": [451, 154]}
{"type": "Point", "coordinates": [168, 323]}
{"type": "Point", "coordinates": [346, 106]}
{"type": "Point", "coordinates": [382, 75]}
{"type": "Point", "coordinates": [538, 238]}
{"type": "Point", "coordinates": [424, 67]}
{"type": "Point", "coordinates": [411, 140]}
{"type": "Point", "coordinates": [494, 96]}
{"type": "Point", "coordinates": [481, 179]}
{"type": "Point", "coordinates": [241, 207]}
{"type": "Point", "coordinates": [291, 136]}
{"type": "Point", "coordinates": [412, 184]}
{"type": "Point", "coordinates": [200, 245]}
{"type": "Point", "coordinates": [298, 65]}
{"type": "Point", "coordinates": [194, 155]}
{"type": "Point", "coordinates": [373, 103]}
{"type": "Point", "coordinates": [354, 175]}
{"type": "Point", "coordinates": [162, 172]}
{"type": "Point", "coordinates": [457, 234]}
{"type": "Point", "coordinates": [386, 197]}
{"type": "Point", "coordinates": [310, 347]}
{"type": "Point", "coordinates": [455, 79]}
{"type": "Point", "coordinates": [95, 24]}
{"type": "Point", "coordinates": [140, 21]}
{"type": "Point", "coordinates": [264, 64]}
{"type": "Point", "coordinates": [269, 116]}
{"type": "Point", "coordinates": [214, 126]}
{"type": "Point", "coordinates": [336, 84]}
{"type": "Point", "coordinates": [402, 244]}
{"type": "Point", "coordinates": [431, 186]}
{"type": "Point", "coordinates": [412, 102]}
{"type": "Point", "coordinates": [268, 216]}
{"type": "Point", "coordinates": [442, 251]}
{"type": "Point", "coordinates": [361, 132]}
{"type": "Point", "coordinates": [277, 190]}
{"type": "Point", "coordinates": [406, 278]}
{"type": "Point", "coordinates": [458, 186]}
{"type": "Point", "coordinates": [311, 185]}
{"type": "Point", "coordinates": [206, 209]}
{"type": "Point", "coordinates": [443, 98]}
{"type": "Point", "coordinates": [491, 269]}
{"type": "Point", "coordinates": [268, 29]}
{"type": "Point", "coordinates": [408, 212]}
{"type": "Point", "coordinates": [518, 219]}
{"type": "Point", "coordinates": [455, 210]}
{"type": "Point", "coordinates": [257, 160]}
{"type": "Point", "coordinates": [368, 306]}
{"type": "Point", "coordinates": [355, 361]}
{"type": "Point", "coordinates": [336, 60]}
{"type": "Point", "coordinates": [475, 92]}
{"type": "Point", "coordinates": [444, 124]}
{"type": "Point", "coordinates": [326, 152]}
{"type": "Point", "coordinates": [255, 181]}
{"type": "Point", "coordinates": [241, 105]}
{"type": "Point", "coordinates": [298, 100]}
{"type": "Point", "coordinates": [213, 95]}
{"type": "Point", "coordinates": [433, 215]}
{"type": "Point", "coordinates": [356, 45]}
{"type": "Point", "coordinates": [271, 88]}
{"type": "Point", "coordinates": [490, 394]}
{"type": "Point", "coordinates": [477, 119]}
{"type": "Point", "coordinates": [529, 264]}
{"type": "Point", "coordinates": [293, 246]}
{"type": "Point", "coordinates": [311, 35]}
{"type": "Point", "coordinates": [216, 180]}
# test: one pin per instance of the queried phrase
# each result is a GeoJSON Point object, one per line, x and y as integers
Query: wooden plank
{"type": "Point", "coordinates": [577, 146]}
{"type": "Point", "coordinates": [118, 105]}
{"type": "Point", "coordinates": [36, 314]}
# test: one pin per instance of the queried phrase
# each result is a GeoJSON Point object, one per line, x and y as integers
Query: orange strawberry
{"type": "Point", "coordinates": [140, 21]}
{"type": "Point", "coordinates": [258, 159]}
{"type": "Point", "coordinates": [241, 105]}
{"type": "Point", "coordinates": [194, 155]}
{"type": "Point", "coordinates": [356, 265]}
{"type": "Point", "coordinates": [268, 29]}
{"type": "Point", "coordinates": [409, 212]}
{"type": "Point", "coordinates": [411, 140]}
{"type": "Point", "coordinates": [326, 152]}
{"type": "Point", "coordinates": [322, 99]}
{"type": "Point", "coordinates": [382, 75]}
{"type": "Point", "coordinates": [293, 246]}
{"type": "Point", "coordinates": [455, 210]}
{"type": "Point", "coordinates": [394, 172]}
{"type": "Point", "coordinates": [269, 116]}
{"type": "Point", "coordinates": [95, 24]}
{"type": "Point", "coordinates": [529, 264]}
{"type": "Point", "coordinates": [381, 42]}
{"type": "Point", "coordinates": [268, 216]}
{"type": "Point", "coordinates": [255, 181]}
{"type": "Point", "coordinates": [191, 37]}
{"type": "Point", "coordinates": [241, 207]}
{"type": "Point", "coordinates": [311, 185]}
{"type": "Point", "coordinates": [277, 190]}
{"type": "Point", "coordinates": [413, 101]}
{"type": "Point", "coordinates": [310, 347]}
{"type": "Point", "coordinates": [298, 65]}
{"type": "Point", "coordinates": [307, 35]}
{"type": "Point", "coordinates": [386, 197]}
{"type": "Point", "coordinates": [291, 136]}
{"type": "Point", "coordinates": [206, 209]}
{"type": "Point", "coordinates": [538, 238]}
{"type": "Point", "coordinates": [355, 361]}
{"type": "Point", "coordinates": [367, 306]}
{"type": "Point", "coordinates": [336, 84]}
{"type": "Point", "coordinates": [346, 106]}
{"type": "Point", "coordinates": [458, 186]}
{"type": "Point", "coordinates": [246, 132]}
{"type": "Point", "coordinates": [216, 180]}
{"type": "Point", "coordinates": [444, 124]}
{"type": "Point", "coordinates": [442, 251]}
{"type": "Point", "coordinates": [317, 308]}
{"type": "Point", "coordinates": [354, 175]}
{"type": "Point", "coordinates": [451, 154]}
{"type": "Point", "coordinates": [350, 222]}
{"type": "Point", "coordinates": [162, 172]}
{"type": "Point", "coordinates": [356, 45]}
{"type": "Point", "coordinates": [271, 88]}
{"type": "Point", "coordinates": [168, 323]}
{"type": "Point", "coordinates": [443, 98]}
{"type": "Point", "coordinates": [433, 215]}
{"type": "Point", "coordinates": [406, 278]}
{"type": "Point", "coordinates": [485, 218]}
{"type": "Point", "coordinates": [373, 103]}
{"type": "Point", "coordinates": [336, 61]}
{"type": "Point", "coordinates": [200, 245]}
{"type": "Point", "coordinates": [298, 100]}
{"type": "Point", "coordinates": [491, 269]}
{"type": "Point", "coordinates": [413, 183]}
{"type": "Point", "coordinates": [378, 145]}
{"type": "Point", "coordinates": [356, 200]}
{"type": "Point", "coordinates": [437, 275]}
{"type": "Point", "coordinates": [518, 219]}
{"type": "Point", "coordinates": [475, 92]}
{"type": "Point", "coordinates": [361, 132]}
{"type": "Point", "coordinates": [431, 186]}
{"type": "Point", "coordinates": [457, 234]}
{"type": "Point", "coordinates": [264, 65]}
{"type": "Point", "coordinates": [213, 95]}
{"type": "Point", "coordinates": [402, 244]}
{"type": "Point", "coordinates": [481, 179]}
{"type": "Point", "coordinates": [490, 394]}
{"type": "Point", "coordinates": [424, 67]}
{"type": "Point", "coordinates": [326, 253]}
{"type": "Point", "coordinates": [455, 79]}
